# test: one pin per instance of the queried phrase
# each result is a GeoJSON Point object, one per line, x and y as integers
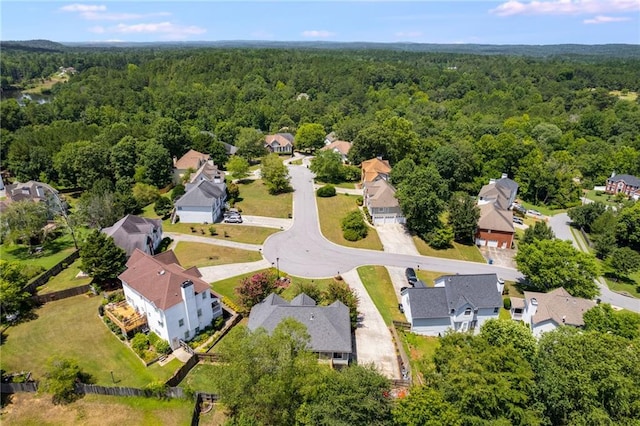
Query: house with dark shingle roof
{"type": "Point", "coordinates": [547, 311]}
{"type": "Point", "coordinates": [456, 302]}
{"type": "Point", "coordinates": [328, 326]}
{"type": "Point", "coordinates": [176, 302]}
{"type": "Point", "coordinates": [134, 232]}
{"type": "Point", "coordinates": [623, 184]}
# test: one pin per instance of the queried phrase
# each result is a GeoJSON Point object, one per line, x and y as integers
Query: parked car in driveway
{"type": "Point", "coordinates": [233, 219]}
{"type": "Point", "coordinates": [518, 220]}
{"type": "Point", "coordinates": [411, 276]}
{"type": "Point", "coordinates": [534, 212]}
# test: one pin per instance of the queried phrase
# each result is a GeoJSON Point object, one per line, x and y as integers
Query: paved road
{"type": "Point", "coordinates": [303, 251]}
{"type": "Point", "coordinates": [560, 225]}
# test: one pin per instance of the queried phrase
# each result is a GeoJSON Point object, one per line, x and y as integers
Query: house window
{"type": "Point", "coordinates": [197, 330]}
{"type": "Point", "coordinates": [180, 322]}
{"type": "Point", "coordinates": [186, 335]}
{"type": "Point", "coordinates": [204, 294]}
{"type": "Point", "coordinates": [160, 323]}
{"type": "Point", "coordinates": [179, 208]}
{"type": "Point", "coordinates": [496, 310]}
{"type": "Point", "coordinates": [467, 311]}
{"type": "Point", "coordinates": [199, 312]}
{"type": "Point", "coordinates": [517, 310]}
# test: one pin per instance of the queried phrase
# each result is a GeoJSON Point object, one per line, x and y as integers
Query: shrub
{"type": "Point", "coordinates": [218, 323]}
{"type": "Point", "coordinates": [233, 191]}
{"type": "Point", "coordinates": [60, 380]}
{"type": "Point", "coordinates": [157, 389]}
{"type": "Point", "coordinates": [351, 173]}
{"type": "Point", "coordinates": [351, 235]}
{"type": "Point", "coordinates": [359, 201]}
{"type": "Point", "coordinates": [154, 339]}
{"type": "Point", "coordinates": [140, 343]}
{"type": "Point", "coordinates": [162, 347]}
{"type": "Point", "coordinates": [163, 207]}
{"type": "Point", "coordinates": [506, 303]}
{"type": "Point", "coordinates": [441, 238]}
{"type": "Point", "coordinates": [353, 226]}
{"type": "Point", "coordinates": [177, 192]}
{"type": "Point", "coordinates": [326, 191]}
{"type": "Point", "coordinates": [212, 230]}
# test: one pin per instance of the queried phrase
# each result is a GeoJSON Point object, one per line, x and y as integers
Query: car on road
{"type": "Point", "coordinates": [233, 219]}
{"type": "Point", "coordinates": [518, 220]}
{"type": "Point", "coordinates": [534, 212]}
{"type": "Point", "coordinates": [411, 276]}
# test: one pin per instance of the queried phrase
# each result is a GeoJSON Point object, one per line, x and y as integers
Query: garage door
{"type": "Point", "coordinates": [480, 242]}
{"type": "Point", "coordinates": [492, 243]}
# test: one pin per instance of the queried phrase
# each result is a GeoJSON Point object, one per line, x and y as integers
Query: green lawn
{"type": "Point", "coordinates": [52, 252]}
{"type": "Point", "coordinates": [628, 286]}
{"type": "Point", "coordinates": [234, 232]}
{"type": "Point", "coordinates": [65, 279]}
{"type": "Point", "coordinates": [199, 254]}
{"type": "Point", "coordinates": [255, 200]}
{"type": "Point", "coordinates": [542, 209]}
{"type": "Point", "coordinates": [71, 328]}
{"type": "Point", "coordinates": [380, 288]}
{"type": "Point", "coordinates": [201, 378]}
{"type": "Point", "coordinates": [332, 210]}
{"type": "Point", "coordinates": [597, 196]}
{"type": "Point", "coordinates": [457, 251]}
{"type": "Point", "coordinates": [428, 277]}
{"type": "Point", "coordinates": [346, 185]}
{"type": "Point", "coordinates": [419, 349]}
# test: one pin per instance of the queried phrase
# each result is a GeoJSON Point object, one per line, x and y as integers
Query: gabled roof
{"type": "Point", "coordinates": [559, 304]}
{"type": "Point", "coordinates": [159, 278]}
{"type": "Point", "coordinates": [342, 147]}
{"type": "Point", "coordinates": [371, 169]}
{"type": "Point", "coordinates": [328, 326]}
{"type": "Point", "coordinates": [208, 171]}
{"type": "Point", "coordinates": [496, 193]}
{"type": "Point", "coordinates": [478, 291]}
{"type": "Point", "coordinates": [31, 190]}
{"type": "Point", "coordinates": [283, 139]}
{"type": "Point", "coordinates": [627, 179]}
{"type": "Point", "coordinates": [231, 149]}
{"type": "Point", "coordinates": [510, 184]}
{"type": "Point", "coordinates": [132, 232]}
{"type": "Point", "coordinates": [201, 194]}
{"type": "Point", "coordinates": [495, 219]}
{"type": "Point", "coordinates": [192, 159]}
{"type": "Point", "coordinates": [380, 193]}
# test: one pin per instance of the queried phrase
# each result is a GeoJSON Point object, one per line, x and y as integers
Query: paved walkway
{"type": "Point", "coordinates": [396, 239]}
{"type": "Point", "coordinates": [374, 344]}
{"type": "Point", "coordinates": [267, 222]}
{"type": "Point", "coordinates": [177, 237]}
{"type": "Point", "coordinates": [221, 272]}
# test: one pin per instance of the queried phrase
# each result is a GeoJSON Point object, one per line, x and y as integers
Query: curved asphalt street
{"type": "Point", "coordinates": [302, 250]}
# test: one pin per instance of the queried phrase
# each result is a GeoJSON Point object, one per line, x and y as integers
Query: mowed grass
{"type": "Point", "coordinates": [65, 279]}
{"type": "Point", "coordinates": [37, 409]}
{"type": "Point", "coordinates": [71, 328]}
{"type": "Point", "coordinates": [380, 288]}
{"type": "Point", "coordinates": [346, 185]}
{"type": "Point", "coordinates": [332, 210]}
{"type": "Point", "coordinates": [429, 277]}
{"type": "Point", "coordinates": [52, 252]}
{"type": "Point", "coordinates": [419, 349]}
{"type": "Point", "coordinates": [457, 251]}
{"type": "Point", "coordinates": [231, 232]}
{"type": "Point", "coordinates": [542, 209]}
{"type": "Point", "coordinates": [198, 254]}
{"type": "Point", "coordinates": [201, 378]}
{"type": "Point", "coordinates": [255, 200]}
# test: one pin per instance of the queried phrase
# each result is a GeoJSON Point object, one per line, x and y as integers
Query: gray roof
{"type": "Point", "coordinates": [132, 232]}
{"type": "Point", "coordinates": [628, 179]}
{"type": "Point", "coordinates": [328, 326]}
{"type": "Point", "coordinates": [510, 184]}
{"type": "Point", "coordinates": [479, 291]}
{"type": "Point", "coordinates": [201, 194]}
{"type": "Point", "coordinates": [231, 149]}
{"type": "Point", "coordinates": [31, 190]}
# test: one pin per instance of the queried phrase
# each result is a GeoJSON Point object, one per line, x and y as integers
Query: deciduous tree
{"type": "Point", "coordinates": [309, 137]}
{"type": "Point", "coordinates": [101, 258]}
{"type": "Point", "coordinates": [539, 231]}
{"type": "Point", "coordinates": [463, 217]}
{"type": "Point", "coordinates": [238, 167]}
{"type": "Point", "coordinates": [604, 319]}
{"type": "Point", "coordinates": [275, 174]}
{"type": "Point", "coordinates": [254, 289]}
{"type": "Point", "coordinates": [23, 221]}
{"type": "Point", "coordinates": [250, 144]}
{"type": "Point", "coordinates": [327, 165]}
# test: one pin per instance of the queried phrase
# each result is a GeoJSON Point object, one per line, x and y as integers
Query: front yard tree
{"type": "Point", "coordinates": [463, 217]}
{"type": "Point", "coordinates": [309, 137]}
{"type": "Point", "coordinates": [327, 165]}
{"type": "Point", "coordinates": [339, 290]}
{"type": "Point", "coordinates": [549, 264]}
{"type": "Point", "coordinates": [275, 174]}
{"type": "Point", "coordinates": [238, 167]}
{"type": "Point", "coordinates": [421, 198]}
{"type": "Point", "coordinates": [539, 231]}
{"type": "Point", "coordinates": [584, 216]}
{"type": "Point", "coordinates": [628, 227]}
{"type": "Point", "coordinates": [163, 207]}
{"type": "Point", "coordinates": [624, 260]}
{"type": "Point", "coordinates": [22, 222]}
{"type": "Point", "coordinates": [605, 319]}
{"type": "Point", "coordinates": [254, 289]}
{"type": "Point", "coordinates": [250, 144]}
{"type": "Point", "coordinates": [101, 258]}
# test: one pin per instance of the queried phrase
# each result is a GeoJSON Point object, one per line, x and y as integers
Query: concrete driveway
{"type": "Point", "coordinates": [374, 343]}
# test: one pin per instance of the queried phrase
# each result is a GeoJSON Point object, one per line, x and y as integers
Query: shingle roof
{"type": "Point", "coordinates": [495, 219]}
{"type": "Point", "coordinates": [627, 179]}
{"type": "Point", "coordinates": [132, 232]}
{"type": "Point", "coordinates": [192, 159]}
{"type": "Point", "coordinates": [559, 304]}
{"type": "Point", "coordinates": [380, 193]}
{"type": "Point", "coordinates": [510, 184]}
{"type": "Point", "coordinates": [283, 139]}
{"type": "Point", "coordinates": [208, 171]}
{"type": "Point", "coordinates": [328, 326]}
{"type": "Point", "coordinates": [499, 195]}
{"type": "Point", "coordinates": [201, 194]}
{"type": "Point", "coordinates": [342, 147]}
{"type": "Point", "coordinates": [371, 169]}
{"type": "Point", "coordinates": [159, 278]}
{"type": "Point", "coordinates": [31, 190]}
{"type": "Point", "coordinates": [428, 302]}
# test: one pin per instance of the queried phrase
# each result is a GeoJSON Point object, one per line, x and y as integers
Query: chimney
{"type": "Point", "coordinates": [500, 285]}
{"type": "Point", "coordinates": [492, 181]}
{"type": "Point", "coordinates": [504, 176]}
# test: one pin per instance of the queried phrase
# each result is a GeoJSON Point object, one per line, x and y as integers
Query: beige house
{"type": "Point", "coordinates": [380, 199]}
{"type": "Point", "coordinates": [191, 160]}
{"type": "Point", "coordinates": [341, 147]}
{"type": "Point", "coordinates": [280, 143]}
{"type": "Point", "coordinates": [375, 169]}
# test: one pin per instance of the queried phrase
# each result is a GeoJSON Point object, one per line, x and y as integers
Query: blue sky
{"type": "Point", "coordinates": [480, 22]}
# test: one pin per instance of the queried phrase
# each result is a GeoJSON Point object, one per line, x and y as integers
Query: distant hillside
{"type": "Point", "coordinates": [33, 45]}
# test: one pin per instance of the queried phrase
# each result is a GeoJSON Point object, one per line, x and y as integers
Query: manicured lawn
{"type": "Point", "coordinates": [65, 279]}
{"type": "Point", "coordinates": [346, 185]}
{"type": "Point", "coordinates": [201, 378]}
{"type": "Point", "coordinates": [37, 409]}
{"type": "Point", "coordinates": [234, 232]}
{"type": "Point", "coordinates": [292, 291]}
{"type": "Point", "coordinates": [597, 196]}
{"type": "Point", "coordinates": [198, 254]}
{"type": "Point", "coordinates": [629, 286]}
{"type": "Point", "coordinates": [380, 288]}
{"type": "Point", "coordinates": [457, 251]}
{"type": "Point", "coordinates": [512, 290]}
{"type": "Point", "coordinates": [504, 314]}
{"type": "Point", "coordinates": [542, 209]}
{"type": "Point", "coordinates": [332, 210]}
{"type": "Point", "coordinates": [255, 200]}
{"type": "Point", "coordinates": [71, 328]}
{"type": "Point", "coordinates": [52, 252]}
{"type": "Point", "coordinates": [428, 277]}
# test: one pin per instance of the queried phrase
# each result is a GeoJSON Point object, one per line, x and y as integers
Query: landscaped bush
{"type": "Point", "coordinates": [351, 235]}
{"type": "Point", "coordinates": [353, 226]}
{"type": "Point", "coordinates": [140, 343]}
{"type": "Point", "coordinates": [359, 201]}
{"type": "Point", "coordinates": [506, 303]}
{"type": "Point", "coordinates": [326, 191]}
{"type": "Point", "coordinates": [441, 238]}
{"type": "Point", "coordinates": [351, 173]}
{"type": "Point", "coordinates": [162, 347]}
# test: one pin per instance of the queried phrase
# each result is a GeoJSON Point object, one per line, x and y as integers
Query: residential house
{"type": "Point", "coordinates": [280, 143]}
{"type": "Point", "coordinates": [204, 198]}
{"type": "Point", "coordinates": [134, 232]}
{"type": "Point", "coordinates": [623, 184]}
{"type": "Point", "coordinates": [328, 326]}
{"type": "Point", "coordinates": [375, 169]}
{"type": "Point", "coordinates": [379, 197]}
{"type": "Point", "coordinates": [330, 138]}
{"type": "Point", "coordinates": [38, 192]}
{"type": "Point", "coordinates": [192, 160]}
{"type": "Point", "coordinates": [548, 311]}
{"type": "Point", "coordinates": [495, 225]}
{"type": "Point", "coordinates": [456, 302]}
{"type": "Point", "coordinates": [341, 147]}
{"type": "Point", "coordinates": [176, 303]}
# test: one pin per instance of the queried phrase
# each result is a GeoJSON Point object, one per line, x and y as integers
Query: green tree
{"type": "Point", "coordinates": [99, 209]}
{"type": "Point", "coordinates": [463, 217]}
{"type": "Point", "coordinates": [539, 231]}
{"type": "Point", "coordinates": [275, 174]}
{"type": "Point", "coordinates": [238, 167]}
{"type": "Point", "coordinates": [353, 226]}
{"type": "Point", "coordinates": [339, 290]}
{"type": "Point", "coordinates": [421, 199]}
{"type": "Point", "coordinates": [624, 261]}
{"type": "Point", "coordinates": [101, 258]}
{"type": "Point", "coordinates": [155, 166]}
{"type": "Point", "coordinates": [177, 192]}
{"type": "Point", "coordinates": [218, 154]}
{"type": "Point", "coordinates": [145, 194]}
{"type": "Point", "coordinates": [583, 216]}
{"type": "Point", "coordinates": [402, 171]}
{"type": "Point", "coordinates": [124, 158]}
{"type": "Point", "coordinates": [441, 237]}
{"type": "Point", "coordinates": [604, 319]}
{"type": "Point", "coordinates": [12, 281]}
{"type": "Point", "coordinates": [426, 406]}
{"type": "Point", "coordinates": [549, 264]}
{"type": "Point", "coordinates": [169, 134]}
{"type": "Point", "coordinates": [309, 137]}
{"type": "Point", "coordinates": [499, 332]}
{"type": "Point", "coordinates": [252, 290]}
{"type": "Point", "coordinates": [23, 221]}
{"type": "Point", "coordinates": [603, 234]}
{"type": "Point", "coordinates": [327, 165]}
{"type": "Point", "coordinates": [60, 380]}
{"type": "Point", "coordinates": [250, 144]}
{"type": "Point", "coordinates": [163, 207]}
{"type": "Point", "coordinates": [628, 227]}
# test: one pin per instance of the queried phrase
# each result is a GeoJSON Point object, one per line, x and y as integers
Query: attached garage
{"type": "Point", "coordinates": [492, 243]}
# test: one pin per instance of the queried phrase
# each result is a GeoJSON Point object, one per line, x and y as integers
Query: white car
{"type": "Point", "coordinates": [534, 212]}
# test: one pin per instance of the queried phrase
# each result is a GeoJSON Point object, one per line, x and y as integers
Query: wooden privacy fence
{"type": "Point", "coordinates": [402, 325]}
{"type": "Point", "coordinates": [62, 294]}
{"type": "Point", "coordinates": [18, 387]}
{"type": "Point", "coordinates": [52, 272]}
{"type": "Point", "coordinates": [182, 372]}
{"type": "Point", "coordinates": [82, 388]}
{"type": "Point", "coordinates": [197, 408]}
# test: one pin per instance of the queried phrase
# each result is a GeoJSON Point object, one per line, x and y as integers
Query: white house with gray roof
{"type": "Point", "coordinates": [328, 326]}
{"type": "Point", "coordinates": [456, 302]}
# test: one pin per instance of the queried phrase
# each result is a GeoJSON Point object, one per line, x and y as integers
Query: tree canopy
{"type": "Point", "coordinates": [101, 258]}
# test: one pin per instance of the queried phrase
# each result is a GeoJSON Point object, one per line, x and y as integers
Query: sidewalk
{"type": "Point", "coordinates": [212, 274]}
{"type": "Point", "coordinates": [176, 237]}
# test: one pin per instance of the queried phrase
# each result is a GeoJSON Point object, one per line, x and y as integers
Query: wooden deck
{"type": "Point", "coordinates": [125, 317]}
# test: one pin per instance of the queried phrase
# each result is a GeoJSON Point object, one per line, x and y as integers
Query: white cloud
{"type": "Point", "coordinates": [565, 7]}
{"type": "Point", "coordinates": [317, 34]}
{"type": "Point", "coordinates": [95, 16]}
{"type": "Point", "coordinates": [408, 34]}
{"type": "Point", "coordinates": [606, 19]}
{"type": "Point", "coordinates": [169, 29]}
{"type": "Point", "coordinates": [83, 8]}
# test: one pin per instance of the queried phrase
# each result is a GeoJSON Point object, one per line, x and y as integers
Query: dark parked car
{"type": "Point", "coordinates": [411, 276]}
